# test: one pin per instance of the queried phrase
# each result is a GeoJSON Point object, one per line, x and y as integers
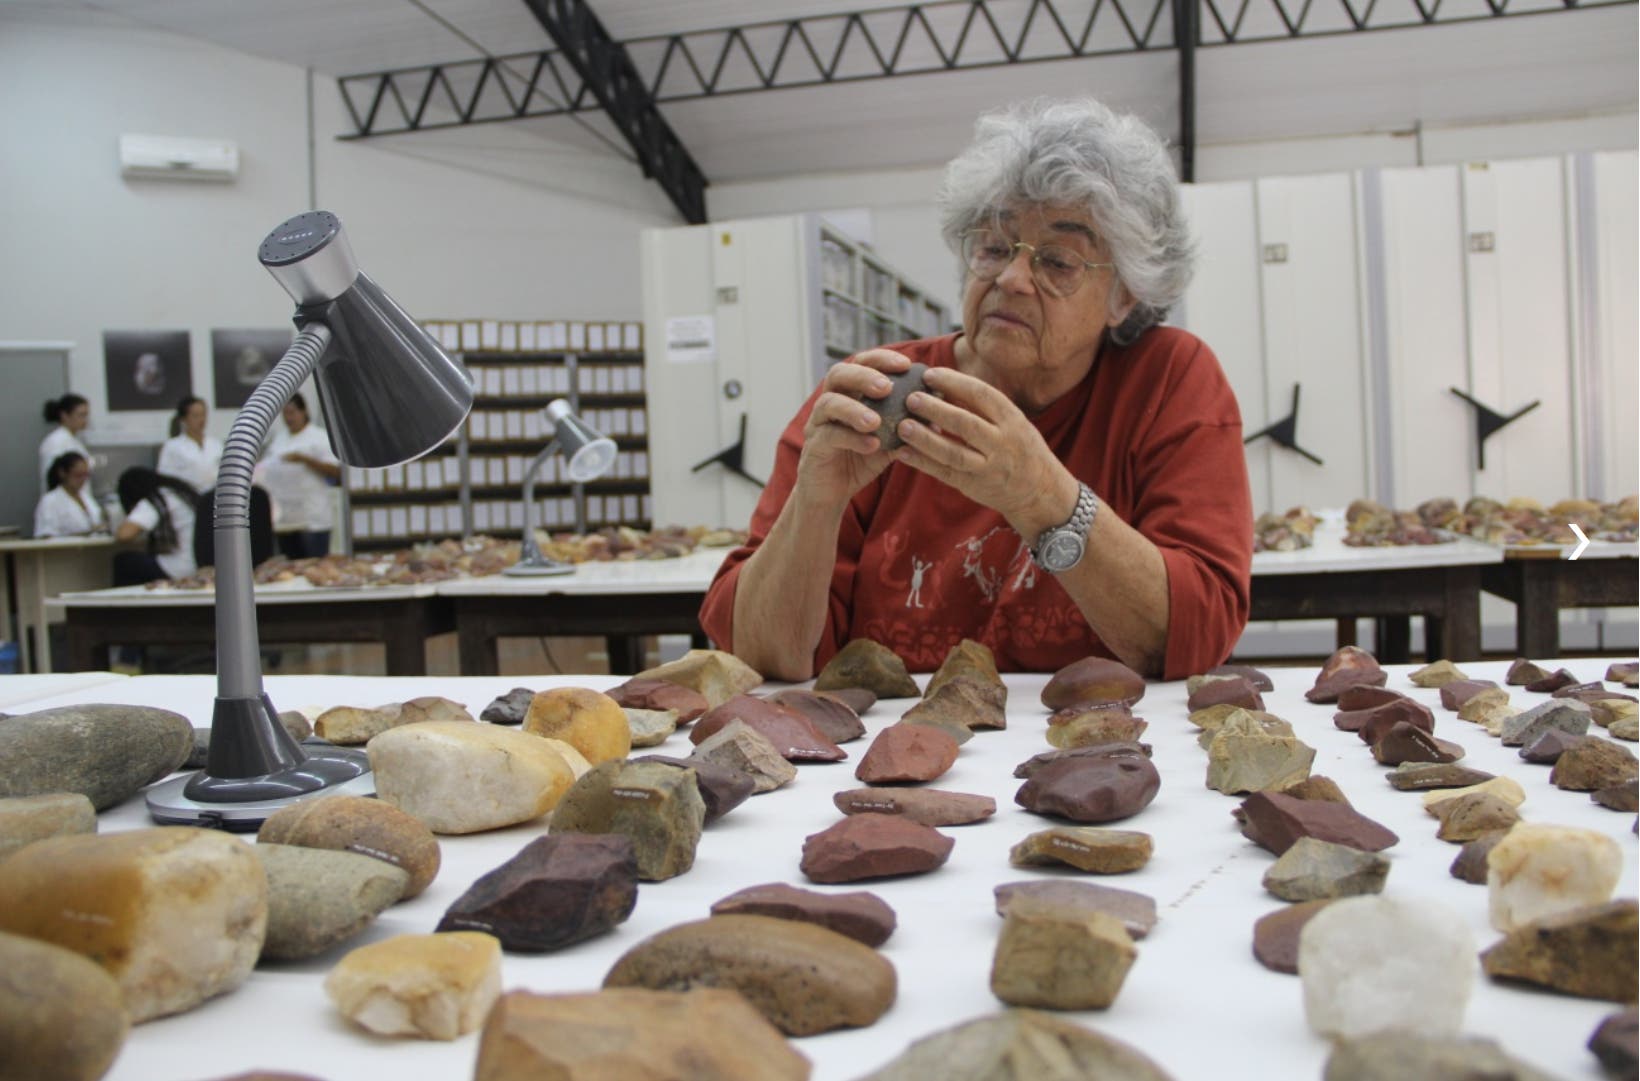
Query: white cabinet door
{"type": "Point", "coordinates": [1611, 225]}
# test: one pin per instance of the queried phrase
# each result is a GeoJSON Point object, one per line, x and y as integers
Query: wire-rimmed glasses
{"type": "Point", "coordinates": [1057, 270]}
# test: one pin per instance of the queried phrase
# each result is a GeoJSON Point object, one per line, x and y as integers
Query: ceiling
{"type": "Point", "coordinates": [1556, 64]}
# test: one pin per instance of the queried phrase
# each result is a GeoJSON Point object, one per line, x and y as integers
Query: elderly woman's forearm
{"type": "Point", "coordinates": [781, 597]}
{"type": "Point", "coordinates": [1121, 590]}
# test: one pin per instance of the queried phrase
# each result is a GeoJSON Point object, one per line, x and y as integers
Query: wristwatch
{"type": "Point", "coordinates": [1059, 549]}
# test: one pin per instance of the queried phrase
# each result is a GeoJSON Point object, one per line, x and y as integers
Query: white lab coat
{"type": "Point", "coordinates": [59, 514]}
{"type": "Point", "coordinates": [301, 497]}
{"type": "Point", "coordinates": [195, 463]}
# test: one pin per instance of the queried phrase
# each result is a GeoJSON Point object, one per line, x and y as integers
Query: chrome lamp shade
{"type": "Point", "coordinates": [389, 394]}
{"type": "Point", "coordinates": [588, 454]}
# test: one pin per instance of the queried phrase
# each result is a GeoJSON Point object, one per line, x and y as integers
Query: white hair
{"type": "Point", "coordinates": [1079, 153]}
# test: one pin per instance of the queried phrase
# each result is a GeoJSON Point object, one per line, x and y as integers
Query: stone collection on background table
{"type": "Point", "coordinates": [104, 752]}
{"type": "Point", "coordinates": [558, 890]}
{"type": "Point", "coordinates": [25, 819]}
{"type": "Point", "coordinates": [862, 846]}
{"type": "Point", "coordinates": [61, 1014]}
{"type": "Point", "coordinates": [434, 987]}
{"type": "Point", "coordinates": [363, 827]}
{"type": "Point", "coordinates": [657, 806]}
{"type": "Point", "coordinates": [868, 664]}
{"type": "Point", "coordinates": [860, 915]}
{"type": "Point", "coordinates": [318, 898]}
{"type": "Point", "coordinates": [461, 777]}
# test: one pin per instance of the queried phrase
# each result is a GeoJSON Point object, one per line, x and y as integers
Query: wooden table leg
{"type": "Point", "coordinates": [477, 645]}
{"type": "Point", "coordinates": [1457, 630]}
{"type": "Point", "coordinates": [1394, 639]}
{"type": "Point", "coordinates": [625, 654]}
{"type": "Point", "coordinates": [1344, 633]}
{"type": "Point", "coordinates": [1537, 612]}
{"type": "Point", "coordinates": [87, 650]}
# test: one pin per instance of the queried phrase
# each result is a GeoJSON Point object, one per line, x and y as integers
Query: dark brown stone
{"type": "Point", "coordinates": [1091, 789]}
{"type": "Point", "coordinates": [1459, 691]}
{"type": "Point", "coordinates": [1366, 696]}
{"type": "Point", "coordinates": [1555, 680]}
{"type": "Point", "coordinates": [1093, 681]}
{"type": "Point", "coordinates": [907, 753]}
{"type": "Point", "coordinates": [793, 736]}
{"type": "Point", "coordinates": [1523, 671]}
{"type": "Point", "coordinates": [1619, 797]}
{"type": "Point", "coordinates": [1275, 935]}
{"type": "Point", "coordinates": [1470, 864]}
{"type": "Point", "coordinates": [1585, 691]}
{"type": "Point", "coordinates": [967, 701]}
{"type": "Point", "coordinates": [967, 659]}
{"type": "Point", "coordinates": [1350, 666]}
{"type": "Point", "coordinates": [559, 889]}
{"type": "Point", "coordinates": [1318, 787]}
{"type": "Point", "coordinates": [868, 664]}
{"type": "Point", "coordinates": [660, 694]}
{"type": "Point", "coordinates": [1590, 952]}
{"type": "Point", "coordinates": [930, 806]}
{"type": "Point", "coordinates": [1102, 750]}
{"type": "Point", "coordinates": [1275, 821]}
{"type": "Point", "coordinates": [1258, 679]}
{"type": "Point", "coordinates": [830, 716]}
{"type": "Point", "coordinates": [722, 788]}
{"type": "Point", "coordinates": [859, 699]}
{"type": "Point", "coordinates": [1424, 776]}
{"type": "Point", "coordinates": [1136, 911]}
{"type": "Point", "coordinates": [1233, 691]}
{"type": "Point", "coordinates": [1616, 1042]}
{"type": "Point", "coordinates": [1408, 743]}
{"type": "Point", "coordinates": [509, 708]}
{"type": "Point", "coordinates": [1590, 763]}
{"type": "Point", "coordinates": [1549, 746]}
{"type": "Point", "coordinates": [862, 916]}
{"type": "Point", "coordinates": [873, 846]}
{"type": "Point", "coordinates": [891, 408]}
{"type": "Point", "coordinates": [1380, 719]}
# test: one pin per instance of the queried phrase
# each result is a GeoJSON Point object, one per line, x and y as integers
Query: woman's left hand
{"type": "Point", "coordinates": [975, 439]}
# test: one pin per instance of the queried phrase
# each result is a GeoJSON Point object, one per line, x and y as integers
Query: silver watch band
{"type": "Point", "coordinates": [1080, 521]}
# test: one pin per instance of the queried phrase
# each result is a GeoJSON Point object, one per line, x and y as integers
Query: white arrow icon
{"type": "Point", "coordinates": [1582, 541]}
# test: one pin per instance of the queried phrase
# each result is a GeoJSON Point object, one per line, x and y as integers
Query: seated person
{"type": "Point", "coordinates": [162, 509]}
{"type": "Point", "coordinates": [68, 509]}
{"type": "Point", "coordinates": [1072, 481]}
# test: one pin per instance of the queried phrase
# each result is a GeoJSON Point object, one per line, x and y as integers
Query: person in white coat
{"type": "Point", "coordinates": [67, 509]}
{"type": "Point", "coordinates": [161, 509]}
{"type": "Point", "coordinates": [70, 413]}
{"type": "Point", "coordinates": [190, 455]}
{"type": "Point", "coordinates": [298, 472]}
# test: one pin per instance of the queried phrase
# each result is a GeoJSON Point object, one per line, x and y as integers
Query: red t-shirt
{"type": "Point", "coordinates": [1153, 429]}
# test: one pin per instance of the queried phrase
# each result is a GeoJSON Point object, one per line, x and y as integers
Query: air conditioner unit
{"type": "Point", "coordinates": [168, 157]}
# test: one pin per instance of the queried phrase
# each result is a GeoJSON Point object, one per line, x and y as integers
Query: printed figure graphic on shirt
{"type": "Point", "coordinates": [913, 599]}
{"type": "Point", "coordinates": [973, 567]}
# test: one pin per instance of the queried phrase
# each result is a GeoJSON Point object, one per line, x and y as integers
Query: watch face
{"type": "Point", "coordinates": [1062, 551]}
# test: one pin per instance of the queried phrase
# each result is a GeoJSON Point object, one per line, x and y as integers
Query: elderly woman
{"type": "Point", "coordinates": [1071, 480]}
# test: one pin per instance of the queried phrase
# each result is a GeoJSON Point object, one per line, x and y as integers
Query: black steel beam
{"type": "Point", "coordinates": [604, 67]}
{"type": "Point", "coordinates": [1186, 30]}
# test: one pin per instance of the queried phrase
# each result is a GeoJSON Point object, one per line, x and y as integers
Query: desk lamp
{"type": "Point", "coordinates": [587, 456]}
{"type": "Point", "coordinates": [389, 394]}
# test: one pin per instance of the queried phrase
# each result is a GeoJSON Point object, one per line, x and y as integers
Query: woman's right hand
{"type": "Point", "coordinates": [841, 451]}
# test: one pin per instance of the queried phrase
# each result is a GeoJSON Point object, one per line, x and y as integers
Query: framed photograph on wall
{"type": "Point", "coordinates": [147, 369]}
{"type": "Point", "coordinates": [240, 358]}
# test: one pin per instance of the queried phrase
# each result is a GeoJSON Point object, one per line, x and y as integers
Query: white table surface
{"type": "Point", "coordinates": [16, 691]}
{"type": "Point", "coordinates": [1192, 1001]}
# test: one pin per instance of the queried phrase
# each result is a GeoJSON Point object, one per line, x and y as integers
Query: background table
{"type": "Point", "coordinates": [1191, 1001]}
{"type": "Point", "coordinates": [38, 568]}
{"type": "Point", "coordinates": [1543, 580]}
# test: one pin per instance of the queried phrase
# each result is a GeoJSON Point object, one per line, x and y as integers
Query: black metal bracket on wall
{"type": "Point", "coordinates": [1284, 432]}
{"type": "Point", "coordinates": [1488, 422]}
{"type": "Point", "coordinates": [732, 458]}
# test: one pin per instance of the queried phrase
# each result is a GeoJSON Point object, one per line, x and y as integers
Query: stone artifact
{"type": "Point", "coordinates": [352, 726]}
{"type": "Point", "coordinates": [1475, 815]}
{"type": "Point", "coordinates": [715, 675]}
{"type": "Point", "coordinates": [1093, 681]}
{"type": "Point", "coordinates": [892, 408]}
{"type": "Point", "coordinates": [868, 664]}
{"type": "Point", "coordinates": [1377, 722]}
{"type": "Point", "coordinates": [1398, 1055]}
{"type": "Point", "coordinates": [1592, 764]}
{"type": "Point", "coordinates": [1087, 848]}
{"type": "Point", "coordinates": [642, 1035]}
{"type": "Point", "coordinates": [61, 1016]}
{"type": "Point", "coordinates": [873, 846]}
{"type": "Point", "coordinates": [575, 760]}
{"type": "Point", "coordinates": [436, 987]}
{"type": "Point", "coordinates": [560, 889]}
{"type": "Point", "coordinates": [460, 777]}
{"type": "Point", "coordinates": [1625, 672]}
{"type": "Point", "coordinates": [789, 731]}
{"type": "Point", "coordinates": [966, 701]}
{"type": "Point", "coordinates": [1019, 1045]}
{"type": "Point", "coordinates": [859, 699]}
{"type": "Point", "coordinates": [929, 806]}
{"type": "Point", "coordinates": [1548, 747]}
{"type": "Point", "coordinates": [1275, 935]}
{"type": "Point", "coordinates": [1318, 787]}
{"type": "Point", "coordinates": [638, 693]}
{"type": "Point", "coordinates": [917, 718]}
{"type": "Point", "coordinates": [509, 708]}
{"type": "Point", "coordinates": [1244, 757]}
{"type": "Point", "coordinates": [742, 748]}
{"type": "Point", "coordinates": [1486, 704]}
{"type": "Point", "coordinates": [1099, 750]}
{"type": "Point", "coordinates": [1250, 721]}
{"type": "Point", "coordinates": [1436, 675]}
{"type": "Point", "coordinates": [590, 721]}
{"type": "Point", "coordinates": [24, 819]}
{"type": "Point", "coordinates": [105, 753]}
{"type": "Point", "coordinates": [1354, 986]}
{"type": "Point", "coordinates": [176, 915]}
{"type": "Point", "coordinates": [1565, 714]}
{"type": "Point", "coordinates": [362, 826]}
{"type": "Point", "coordinates": [1313, 870]}
{"type": "Point", "coordinates": [1459, 691]}
{"type": "Point", "coordinates": [1523, 671]}
{"type": "Point", "coordinates": [650, 727]}
{"type": "Point", "coordinates": [967, 659]}
{"type": "Point", "coordinates": [1089, 726]}
{"type": "Point", "coordinates": [317, 897]}
{"type": "Point", "coordinates": [907, 753]}
{"type": "Point", "coordinates": [1426, 776]}
{"type": "Point", "coordinates": [1225, 691]}
{"type": "Point", "coordinates": [1619, 797]}
{"type": "Point", "coordinates": [1274, 822]}
{"type": "Point", "coordinates": [1608, 711]}
{"type": "Point", "coordinates": [1136, 912]}
{"type": "Point", "coordinates": [1626, 729]}
{"type": "Point", "coordinates": [1091, 789]}
{"type": "Point", "coordinates": [1366, 696]}
{"type": "Point", "coordinates": [1470, 864]}
{"type": "Point", "coordinates": [1060, 958]}
{"type": "Point", "coordinates": [1255, 676]}
{"type": "Point", "coordinates": [803, 978]}
{"type": "Point", "coordinates": [862, 916]}
{"type": "Point", "coordinates": [831, 717]}
{"type": "Point", "coordinates": [1348, 667]}
{"type": "Point", "coordinates": [1614, 1043]}
{"type": "Point", "coordinates": [1589, 952]}
{"type": "Point", "coordinates": [721, 788]}
{"type": "Point", "coordinates": [1555, 680]}
{"type": "Point", "coordinates": [1541, 870]}
{"type": "Point", "coordinates": [1408, 743]}
{"type": "Point", "coordinates": [656, 805]}
{"type": "Point", "coordinates": [1505, 788]}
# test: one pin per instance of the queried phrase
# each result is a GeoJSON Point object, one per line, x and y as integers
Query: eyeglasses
{"type": "Point", "coordinates": [1059, 271]}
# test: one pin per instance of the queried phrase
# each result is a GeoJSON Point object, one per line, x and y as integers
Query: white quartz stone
{"type": "Point", "coordinates": [1542, 870]}
{"type": "Point", "coordinates": [460, 777]}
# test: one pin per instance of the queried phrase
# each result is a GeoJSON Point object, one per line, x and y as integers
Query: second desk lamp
{"type": "Point", "coordinates": [588, 454]}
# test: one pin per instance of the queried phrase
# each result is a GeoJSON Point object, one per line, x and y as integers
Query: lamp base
{"type": "Point", "coordinates": [532, 568]}
{"type": "Point", "coordinates": [242, 804]}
